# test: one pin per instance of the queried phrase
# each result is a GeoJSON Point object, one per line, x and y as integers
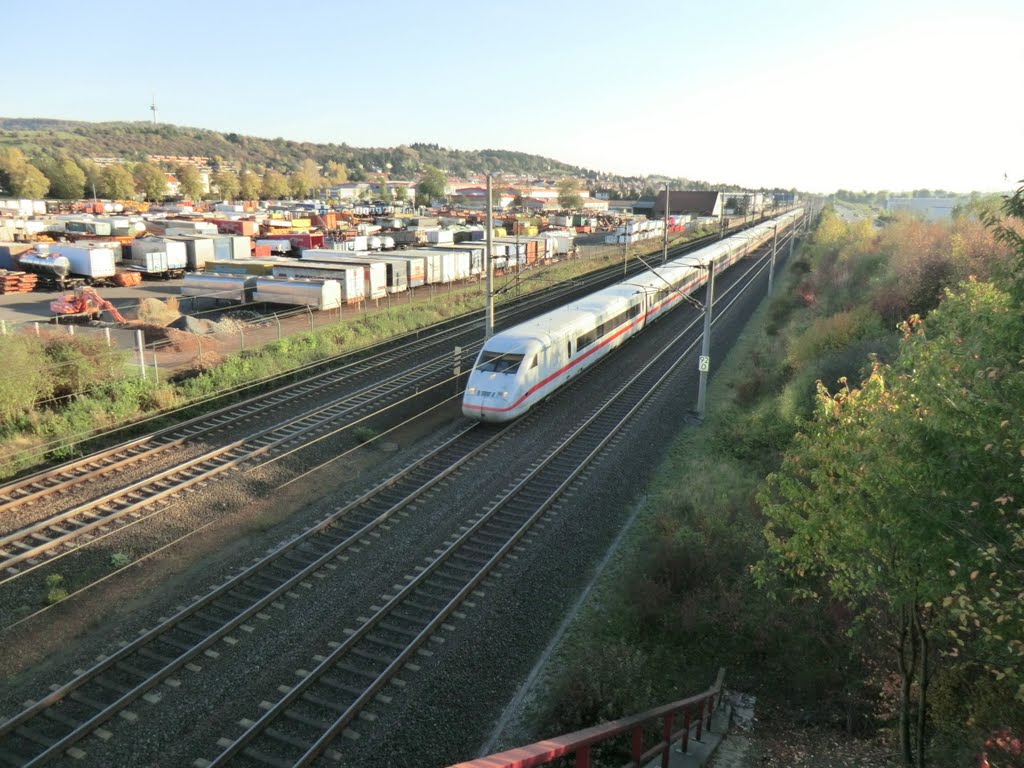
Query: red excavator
{"type": "Point", "coordinates": [86, 303]}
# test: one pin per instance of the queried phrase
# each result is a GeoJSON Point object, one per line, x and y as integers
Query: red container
{"type": "Point", "coordinates": [244, 227]}
{"type": "Point", "coordinates": [301, 240]}
{"type": "Point", "coordinates": [262, 252]}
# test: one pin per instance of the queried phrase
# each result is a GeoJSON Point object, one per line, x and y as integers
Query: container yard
{"type": "Point", "coordinates": [370, 251]}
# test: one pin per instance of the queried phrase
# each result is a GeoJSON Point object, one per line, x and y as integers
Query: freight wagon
{"type": "Point", "coordinates": [158, 257]}
{"type": "Point", "coordinates": [230, 288]}
{"type": "Point", "coordinates": [350, 277]}
{"type": "Point", "coordinates": [375, 273]}
{"type": "Point", "coordinates": [317, 294]}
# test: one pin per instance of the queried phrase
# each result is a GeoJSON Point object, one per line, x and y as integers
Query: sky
{"type": "Point", "coordinates": [812, 94]}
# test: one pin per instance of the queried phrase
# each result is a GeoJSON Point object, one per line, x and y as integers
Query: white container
{"type": "Point", "coordinates": [198, 251]}
{"type": "Point", "coordinates": [440, 236]}
{"type": "Point", "coordinates": [95, 263]}
{"type": "Point", "coordinates": [158, 255]}
{"type": "Point", "coordinates": [220, 287]}
{"type": "Point", "coordinates": [350, 277]}
{"type": "Point", "coordinates": [319, 294]}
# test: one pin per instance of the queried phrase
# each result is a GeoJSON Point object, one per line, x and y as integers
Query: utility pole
{"type": "Point", "coordinates": [664, 253]}
{"type": "Point", "coordinates": [704, 365]}
{"type": "Point", "coordinates": [721, 216]}
{"type": "Point", "coordinates": [489, 304]}
{"type": "Point", "coordinates": [775, 248]}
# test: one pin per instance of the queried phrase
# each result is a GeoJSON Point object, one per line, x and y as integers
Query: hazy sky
{"type": "Point", "coordinates": [895, 94]}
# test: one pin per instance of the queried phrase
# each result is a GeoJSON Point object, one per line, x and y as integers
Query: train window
{"type": "Point", "coordinates": [568, 348]}
{"type": "Point", "coordinates": [499, 362]}
{"type": "Point", "coordinates": [536, 361]}
{"type": "Point", "coordinates": [586, 339]}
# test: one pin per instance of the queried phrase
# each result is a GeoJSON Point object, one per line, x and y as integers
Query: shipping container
{"type": "Point", "coordinates": [299, 240]}
{"type": "Point", "coordinates": [416, 265]}
{"type": "Point", "coordinates": [440, 264]}
{"type": "Point", "coordinates": [276, 245]}
{"type": "Point", "coordinates": [198, 250]}
{"type": "Point", "coordinates": [396, 273]}
{"type": "Point", "coordinates": [375, 273]}
{"type": "Point", "coordinates": [158, 256]}
{"type": "Point", "coordinates": [318, 294]}
{"type": "Point", "coordinates": [440, 236]}
{"type": "Point", "coordinates": [350, 277]}
{"type": "Point", "coordinates": [91, 263]}
{"type": "Point", "coordinates": [245, 227]}
{"type": "Point", "coordinates": [475, 251]}
{"type": "Point", "coordinates": [242, 266]}
{"type": "Point", "coordinates": [220, 287]}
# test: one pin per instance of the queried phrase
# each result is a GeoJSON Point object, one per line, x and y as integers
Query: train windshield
{"type": "Point", "coordinates": [499, 362]}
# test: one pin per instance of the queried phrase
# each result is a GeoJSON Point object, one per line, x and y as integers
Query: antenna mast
{"type": "Point", "coordinates": [152, 108]}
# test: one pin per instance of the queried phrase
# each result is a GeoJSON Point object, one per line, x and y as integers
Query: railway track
{"type": "Point", "coordinates": [37, 544]}
{"type": "Point", "coordinates": [303, 724]}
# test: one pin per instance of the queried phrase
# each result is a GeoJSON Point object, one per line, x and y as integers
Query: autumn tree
{"type": "Point", "coordinates": [275, 185]}
{"type": "Point", "coordinates": [383, 191]}
{"type": "Point", "coordinates": [190, 182]}
{"type": "Point", "coordinates": [249, 185]}
{"type": "Point", "coordinates": [67, 179]}
{"type": "Point", "coordinates": [568, 193]}
{"type": "Point", "coordinates": [227, 182]}
{"type": "Point", "coordinates": [401, 195]}
{"type": "Point", "coordinates": [336, 173]}
{"type": "Point", "coordinates": [431, 186]}
{"type": "Point", "coordinates": [116, 183]}
{"type": "Point", "coordinates": [890, 489]}
{"type": "Point", "coordinates": [306, 179]}
{"type": "Point", "coordinates": [150, 180]}
{"type": "Point", "coordinates": [20, 177]}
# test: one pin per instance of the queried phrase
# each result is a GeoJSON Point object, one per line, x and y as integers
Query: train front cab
{"type": "Point", "coordinates": [500, 384]}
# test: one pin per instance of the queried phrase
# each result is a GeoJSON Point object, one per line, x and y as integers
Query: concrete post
{"type": "Point", "coordinates": [489, 303]}
{"type": "Point", "coordinates": [705, 346]}
{"type": "Point", "coordinates": [140, 348]}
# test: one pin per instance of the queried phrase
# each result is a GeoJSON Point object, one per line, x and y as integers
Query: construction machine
{"type": "Point", "coordinates": [84, 304]}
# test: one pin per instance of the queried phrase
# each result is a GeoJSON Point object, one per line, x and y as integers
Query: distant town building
{"type": "Point", "coordinates": [476, 198]}
{"type": "Point", "coordinates": [631, 207]}
{"type": "Point", "coordinates": [692, 203]}
{"type": "Point", "coordinates": [930, 208]}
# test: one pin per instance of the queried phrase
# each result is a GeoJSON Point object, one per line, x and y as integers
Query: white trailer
{"type": "Point", "coordinates": [91, 263]}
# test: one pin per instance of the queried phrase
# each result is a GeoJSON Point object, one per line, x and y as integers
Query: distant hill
{"type": "Point", "coordinates": [133, 141]}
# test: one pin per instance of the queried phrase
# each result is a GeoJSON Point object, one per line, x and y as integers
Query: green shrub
{"type": "Point", "coordinates": [365, 434]}
{"type": "Point", "coordinates": [23, 376]}
{"type": "Point", "coordinates": [119, 560]}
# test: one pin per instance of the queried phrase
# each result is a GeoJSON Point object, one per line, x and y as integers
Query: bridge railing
{"type": "Point", "coordinates": [674, 721]}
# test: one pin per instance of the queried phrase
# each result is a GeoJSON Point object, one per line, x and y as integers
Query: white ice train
{"type": "Point", "coordinates": [518, 368]}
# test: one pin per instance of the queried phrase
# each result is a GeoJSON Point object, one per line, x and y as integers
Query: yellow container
{"type": "Point", "coordinates": [500, 232]}
{"type": "Point", "coordinates": [301, 223]}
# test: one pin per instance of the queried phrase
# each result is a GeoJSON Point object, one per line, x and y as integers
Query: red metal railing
{"type": "Point", "coordinates": [579, 744]}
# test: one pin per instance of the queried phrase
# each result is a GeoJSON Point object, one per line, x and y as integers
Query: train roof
{"type": "Point", "coordinates": [577, 315]}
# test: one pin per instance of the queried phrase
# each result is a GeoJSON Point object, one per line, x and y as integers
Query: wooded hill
{"type": "Point", "coordinates": [133, 141]}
